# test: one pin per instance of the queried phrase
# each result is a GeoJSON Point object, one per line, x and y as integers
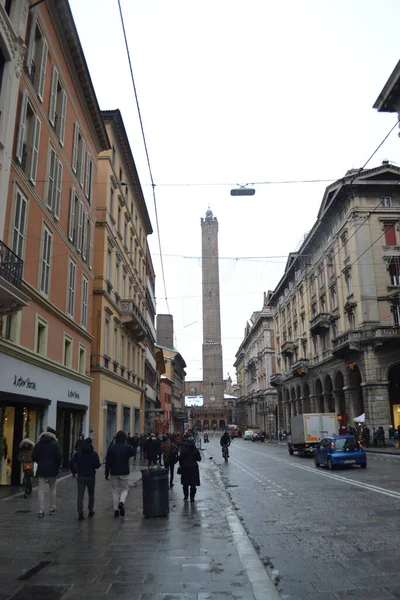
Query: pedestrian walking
{"type": "Point", "coordinates": [189, 469]}
{"type": "Point", "coordinates": [25, 457]}
{"type": "Point", "coordinates": [47, 455]}
{"type": "Point", "coordinates": [152, 449]}
{"type": "Point", "coordinates": [117, 464]}
{"type": "Point", "coordinates": [83, 467]}
{"type": "Point", "coordinates": [79, 443]}
{"type": "Point", "coordinates": [142, 443]}
{"type": "Point", "coordinates": [170, 457]}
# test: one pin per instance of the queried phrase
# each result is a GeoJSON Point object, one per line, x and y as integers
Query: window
{"type": "Point", "coordinates": [323, 304]}
{"type": "Point", "coordinates": [386, 202]}
{"type": "Point", "coordinates": [54, 183]}
{"type": "Point", "coordinates": [345, 245]}
{"type": "Point", "coordinates": [36, 58]}
{"type": "Point", "coordinates": [21, 204]}
{"type": "Point", "coordinates": [303, 323]}
{"type": "Point", "coordinates": [45, 261]}
{"type": "Point", "coordinates": [10, 328]}
{"type": "Point", "coordinates": [394, 272]}
{"type": "Point", "coordinates": [115, 343]}
{"type": "Point", "coordinates": [109, 264]}
{"type": "Point", "coordinates": [41, 336]}
{"type": "Point", "coordinates": [112, 201]}
{"type": "Point", "coordinates": [82, 359]}
{"type": "Point", "coordinates": [334, 329]}
{"type": "Point", "coordinates": [85, 296]}
{"type": "Point", "coordinates": [333, 298]}
{"type": "Point", "coordinates": [122, 361]}
{"type": "Point", "coordinates": [351, 319]}
{"type": "Point", "coordinates": [89, 178]}
{"type": "Point", "coordinates": [124, 285]}
{"type": "Point", "coordinates": [128, 356]}
{"type": "Point", "coordinates": [28, 138]}
{"type": "Point", "coordinates": [349, 283]}
{"type": "Point", "coordinates": [312, 286]}
{"type": "Point", "coordinates": [321, 276]}
{"type": "Point", "coordinates": [117, 265]}
{"type": "Point", "coordinates": [315, 344]}
{"type": "Point", "coordinates": [126, 233]}
{"type": "Point", "coordinates": [78, 155]}
{"type": "Point", "coordinates": [75, 220]}
{"type": "Point", "coordinates": [113, 155]}
{"type": "Point", "coordinates": [119, 219]}
{"type": "Point", "coordinates": [330, 264]}
{"type": "Point", "coordinates": [58, 106]}
{"type": "Point", "coordinates": [71, 288]}
{"type": "Point", "coordinates": [85, 235]}
{"type": "Point", "coordinates": [131, 247]}
{"type": "Point", "coordinates": [304, 349]}
{"type": "Point", "coordinates": [390, 234]}
{"type": "Point", "coordinates": [107, 337]}
{"type": "Point", "coordinates": [67, 352]}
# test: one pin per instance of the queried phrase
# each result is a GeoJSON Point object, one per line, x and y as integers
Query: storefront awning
{"type": "Point", "coordinates": [7, 399]}
{"type": "Point", "coordinates": [72, 405]}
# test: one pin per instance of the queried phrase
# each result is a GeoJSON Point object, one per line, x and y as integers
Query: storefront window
{"type": "Point", "coordinates": [6, 439]}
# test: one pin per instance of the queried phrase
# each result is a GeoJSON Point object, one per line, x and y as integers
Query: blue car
{"type": "Point", "coordinates": [340, 450]}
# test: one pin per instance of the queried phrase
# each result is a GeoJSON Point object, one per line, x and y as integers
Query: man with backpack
{"type": "Point", "coordinates": [83, 467]}
{"type": "Point", "coordinates": [170, 457]}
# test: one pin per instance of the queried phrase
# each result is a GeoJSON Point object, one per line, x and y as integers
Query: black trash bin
{"type": "Point", "coordinates": [155, 492]}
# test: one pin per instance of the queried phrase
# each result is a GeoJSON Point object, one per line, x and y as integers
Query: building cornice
{"type": "Point", "coordinates": [388, 99]}
{"type": "Point", "coordinates": [21, 353]}
{"type": "Point", "coordinates": [65, 28]}
{"type": "Point", "coordinates": [114, 376]}
{"type": "Point", "coordinates": [114, 118]}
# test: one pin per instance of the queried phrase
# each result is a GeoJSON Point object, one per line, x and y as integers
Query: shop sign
{"type": "Point", "coordinates": [24, 382]}
{"type": "Point", "coordinates": [73, 394]}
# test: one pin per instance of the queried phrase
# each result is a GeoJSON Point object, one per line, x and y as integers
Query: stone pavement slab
{"type": "Point", "coordinates": [198, 552]}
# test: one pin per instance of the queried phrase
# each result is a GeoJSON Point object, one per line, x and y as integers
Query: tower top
{"type": "Point", "coordinates": [209, 217]}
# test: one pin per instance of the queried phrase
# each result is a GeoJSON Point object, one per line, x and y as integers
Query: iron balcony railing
{"type": "Point", "coordinates": [11, 266]}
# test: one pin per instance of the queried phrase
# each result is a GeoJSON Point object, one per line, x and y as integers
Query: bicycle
{"type": "Point", "coordinates": [225, 453]}
{"type": "Point", "coordinates": [27, 480]}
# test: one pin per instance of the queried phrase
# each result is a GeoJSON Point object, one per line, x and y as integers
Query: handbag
{"type": "Point", "coordinates": [179, 471]}
{"type": "Point", "coordinates": [28, 467]}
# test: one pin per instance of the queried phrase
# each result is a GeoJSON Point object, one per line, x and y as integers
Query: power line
{"type": "Point", "coordinates": [146, 151]}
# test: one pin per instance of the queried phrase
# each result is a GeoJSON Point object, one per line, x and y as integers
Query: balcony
{"type": "Point", "coordinates": [353, 340]}
{"type": "Point", "coordinates": [300, 368]}
{"type": "Point", "coordinates": [345, 343]}
{"type": "Point", "coordinates": [320, 323]}
{"type": "Point", "coordinates": [11, 266]}
{"type": "Point", "coordinates": [132, 319]}
{"type": "Point", "coordinates": [287, 348]}
{"type": "Point", "coordinates": [275, 380]}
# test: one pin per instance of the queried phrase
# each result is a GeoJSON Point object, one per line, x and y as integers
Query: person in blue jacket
{"type": "Point", "coordinates": [83, 467]}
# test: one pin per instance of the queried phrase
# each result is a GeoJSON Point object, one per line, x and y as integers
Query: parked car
{"type": "Point", "coordinates": [258, 437]}
{"type": "Point", "coordinates": [341, 450]}
{"type": "Point", "coordinates": [248, 435]}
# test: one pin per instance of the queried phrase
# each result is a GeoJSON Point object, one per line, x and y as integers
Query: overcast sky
{"type": "Point", "coordinates": [240, 92]}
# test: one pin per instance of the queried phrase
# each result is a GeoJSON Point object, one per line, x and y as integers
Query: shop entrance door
{"type": "Point", "coordinates": [111, 425]}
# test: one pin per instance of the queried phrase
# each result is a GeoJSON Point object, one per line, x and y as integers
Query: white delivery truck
{"type": "Point", "coordinates": [308, 430]}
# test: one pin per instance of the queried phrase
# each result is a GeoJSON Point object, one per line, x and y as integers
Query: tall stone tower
{"type": "Point", "coordinates": [213, 389]}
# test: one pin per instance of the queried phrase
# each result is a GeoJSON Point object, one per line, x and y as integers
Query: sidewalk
{"type": "Point", "coordinates": [199, 552]}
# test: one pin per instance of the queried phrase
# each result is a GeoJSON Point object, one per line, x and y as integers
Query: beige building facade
{"type": "Point", "coordinates": [255, 363]}
{"type": "Point", "coordinates": [336, 309]}
{"type": "Point", "coordinates": [120, 323]}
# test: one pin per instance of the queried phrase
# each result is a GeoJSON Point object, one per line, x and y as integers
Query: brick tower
{"type": "Point", "coordinates": [213, 389]}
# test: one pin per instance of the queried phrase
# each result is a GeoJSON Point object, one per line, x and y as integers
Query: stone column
{"type": "Point", "coordinates": [377, 404]}
{"type": "Point", "coordinates": [313, 404]}
{"type": "Point", "coordinates": [287, 416]}
{"type": "Point", "coordinates": [349, 403]}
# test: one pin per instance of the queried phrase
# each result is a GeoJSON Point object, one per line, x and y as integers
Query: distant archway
{"type": "Point", "coordinates": [206, 424]}
{"type": "Point", "coordinates": [222, 425]}
{"type": "Point", "coordinates": [356, 393]}
{"type": "Point", "coordinates": [329, 403]}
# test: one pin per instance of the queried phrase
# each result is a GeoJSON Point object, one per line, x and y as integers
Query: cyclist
{"type": "Point", "coordinates": [25, 457]}
{"type": "Point", "coordinates": [225, 441]}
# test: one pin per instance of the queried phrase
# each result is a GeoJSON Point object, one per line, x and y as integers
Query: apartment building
{"type": "Point", "coordinates": [337, 307]}
{"type": "Point", "coordinates": [255, 364]}
{"type": "Point", "coordinates": [120, 324]}
{"type": "Point", "coordinates": [49, 224]}
{"type": "Point", "coordinates": [151, 374]}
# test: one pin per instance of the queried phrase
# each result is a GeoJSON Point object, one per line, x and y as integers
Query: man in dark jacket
{"type": "Point", "coordinates": [47, 455]}
{"type": "Point", "coordinates": [83, 466]}
{"type": "Point", "coordinates": [117, 464]}
{"type": "Point", "coordinates": [153, 450]}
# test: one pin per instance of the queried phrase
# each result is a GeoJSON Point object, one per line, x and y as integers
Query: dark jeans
{"type": "Point", "coordinates": [83, 483]}
{"type": "Point", "coordinates": [171, 468]}
{"type": "Point", "coordinates": [186, 491]}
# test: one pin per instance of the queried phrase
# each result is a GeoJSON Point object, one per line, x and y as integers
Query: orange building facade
{"type": "Point", "coordinates": [45, 348]}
